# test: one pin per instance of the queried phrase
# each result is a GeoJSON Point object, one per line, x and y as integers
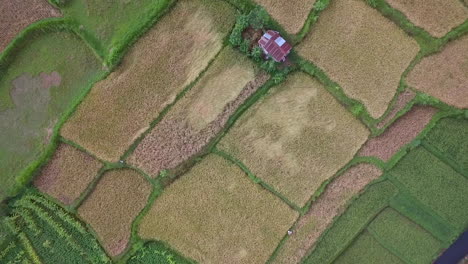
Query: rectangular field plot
{"type": "Point", "coordinates": [216, 214]}
{"type": "Point", "coordinates": [367, 250]}
{"type": "Point", "coordinates": [157, 68]}
{"type": "Point", "coordinates": [434, 184]}
{"type": "Point", "coordinates": [295, 138]}
{"type": "Point", "coordinates": [405, 238]}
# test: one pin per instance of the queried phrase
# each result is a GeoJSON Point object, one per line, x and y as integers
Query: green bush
{"type": "Point", "coordinates": [258, 17]}
{"type": "Point", "coordinates": [157, 253]}
{"type": "Point", "coordinates": [256, 54]}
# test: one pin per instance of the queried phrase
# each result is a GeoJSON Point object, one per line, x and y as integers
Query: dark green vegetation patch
{"type": "Point", "coordinates": [157, 253]}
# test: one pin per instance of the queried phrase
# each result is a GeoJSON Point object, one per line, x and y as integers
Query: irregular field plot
{"type": "Point", "coordinates": [367, 250]}
{"type": "Point", "coordinates": [290, 14]}
{"type": "Point", "coordinates": [216, 214]}
{"type": "Point", "coordinates": [16, 15]}
{"type": "Point", "coordinates": [443, 75]}
{"type": "Point", "coordinates": [400, 133]}
{"type": "Point", "coordinates": [48, 232]}
{"type": "Point", "coordinates": [351, 223]}
{"type": "Point", "coordinates": [295, 138]}
{"type": "Point", "coordinates": [68, 174]}
{"type": "Point", "coordinates": [330, 204]}
{"type": "Point", "coordinates": [361, 50]}
{"type": "Point", "coordinates": [449, 136]}
{"type": "Point", "coordinates": [402, 100]}
{"type": "Point", "coordinates": [155, 70]}
{"type": "Point", "coordinates": [111, 208]}
{"type": "Point", "coordinates": [44, 79]}
{"type": "Point", "coordinates": [438, 17]}
{"type": "Point", "coordinates": [435, 184]}
{"type": "Point", "coordinates": [405, 238]}
{"type": "Point", "coordinates": [112, 21]}
{"type": "Point", "coordinates": [156, 253]}
{"type": "Point", "coordinates": [200, 115]}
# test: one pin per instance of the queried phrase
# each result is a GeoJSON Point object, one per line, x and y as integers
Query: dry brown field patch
{"type": "Point", "coordinates": [296, 137]}
{"type": "Point", "coordinates": [444, 74]}
{"type": "Point", "coordinates": [16, 15]}
{"type": "Point", "coordinates": [361, 50]}
{"type": "Point", "coordinates": [68, 174]}
{"type": "Point", "coordinates": [322, 212]}
{"type": "Point", "coordinates": [400, 133]}
{"type": "Point", "coordinates": [157, 68]}
{"type": "Point", "coordinates": [437, 17]}
{"type": "Point", "coordinates": [402, 100]}
{"type": "Point", "coordinates": [216, 214]}
{"type": "Point", "coordinates": [110, 209]}
{"type": "Point", "coordinates": [200, 115]}
{"type": "Point", "coordinates": [290, 14]}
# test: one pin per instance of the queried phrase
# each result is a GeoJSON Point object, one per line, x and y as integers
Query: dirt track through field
{"type": "Point", "coordinates": [16, 15]}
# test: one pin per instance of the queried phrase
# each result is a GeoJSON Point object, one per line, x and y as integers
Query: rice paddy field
{"type": "Point", "coordinates": [138, 131]}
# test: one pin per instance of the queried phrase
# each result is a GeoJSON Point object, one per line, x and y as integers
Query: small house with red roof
{"type": "Point", "coordinates": [274, 46]}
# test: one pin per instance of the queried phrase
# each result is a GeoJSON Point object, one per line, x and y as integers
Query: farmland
{"type": "Point", "coordinates": [68, 174]}
{"type": "Point", "coordinates": [118, 198]}
{"type": "Point", "coordinates": [352, 52]}
{"type": "Point", "coordinates": [121, 107]}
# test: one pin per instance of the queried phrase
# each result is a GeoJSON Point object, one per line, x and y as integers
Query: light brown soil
{"type": "Point", "coordinates": [200, 115]}
{"type": "Point", "coordinates": [291, 14]}
{"type": "Point", "coordinates": [216, 214]}
{"type": "Point", "coordinates": [16, 15]}
{"type": "Point", "coordinates": [296, 137]}
{"type": "Point", "coordinates": [329, 205]}
{"type": "Point", "coordinates": [113, 205]}
{"type": "Point", "coordinates": [399, 133]}
{"type": "Point", "coordinates": [403, 98]}
{"type": "Point", "coordinates": [444, 75]}
{"type": "Point", "coordinates": [437, 17]}
{"type": "Point", "coordinates": [364, 52]}
{"type": "Point", "coordinates": [157, 68]}
{"type": "Point", "coordinates": [68, 174]}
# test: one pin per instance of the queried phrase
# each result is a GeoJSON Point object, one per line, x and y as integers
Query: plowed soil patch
{"type": "Point", "coordinates": [16, 15]}
{"type": "Point", "coordinates": [438, 17]}
{"type": "Point", "coordinates": [290, 14]}
{"type": "Point", "coordinates": [399, 133]}
{"type": "Point", "coordinates": [330, 204]}
{"type": "Point", "coordinates": [200, 115]}
{"type": "Point", "coordinates": [157, 68]}
{"type": "Point", "coordinates": [444, 75]}
{"type": "Point", "coordinates": [68, 174]}
{"type": "Point", "coordinates": [295, 138]}
{"type": "Point", "coordinates": [403, 99]}
{"type": "Point", "coordinates": [361, 50]}
{"type": "Point", "coordinates": [113, 205]}
{"type": "Point", "coordinates": [216, 214]}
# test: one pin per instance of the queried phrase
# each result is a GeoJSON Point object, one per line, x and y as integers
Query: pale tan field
{"type": "Point", "coordinates": [291, 14]}
{"type": "Point", "coordinates": [111, 208]}
{"type": "Point", "coordinates": [157, 68]}
{"type": "Point", "coordinates": [200, 115]}
{"type": "Point", "coordinates": [444, 75]}
{"type": "Point", "coordinates": [437, 17]}
{"type": "Point", "coordinates": [68, 174]}
{"type": "Point", "coordinates": [216, 214]}
{"type": "Point", "coordinates": [361, 50]}
{"type": "Point", "coordinates": [330, 204]}
{"type": "Point", "coordinates": [295, 138]}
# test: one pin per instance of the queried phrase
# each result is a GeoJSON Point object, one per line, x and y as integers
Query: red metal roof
{"type": "Point", "coordinates": [274, 45]}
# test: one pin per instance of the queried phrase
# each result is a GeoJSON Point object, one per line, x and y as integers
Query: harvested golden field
{"type": "Point", "coordinates": [444, 74]}
{"type": "Point", "coordinates": [216, 214]}
{"type": "Point", "coordinates": [200, 115]}
{"type": "Point", "coordinates": [68, 174]}
{"type": "Point", "coordinates": [400, 133]}
{"type": "Point", "coordinates": [16, 15]}
{"type": "Point", "coordinates": [437, 17]}
{"type": "Point", "coordinates": [157, 68]}
{"type": "Point", "coordinates": [111, 208]}
{"type": "Point", "coordinates": [361, 50]}
{"type": "Point", "coordinates": [295, 138]}
{"type": "Point", "coordinates": [290, 14]}
{"type": "Point", "coordinates": [322, 212]}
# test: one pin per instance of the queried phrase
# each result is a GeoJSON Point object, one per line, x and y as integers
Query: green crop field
{"type": "Point", "coordinates": [233, 131]}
